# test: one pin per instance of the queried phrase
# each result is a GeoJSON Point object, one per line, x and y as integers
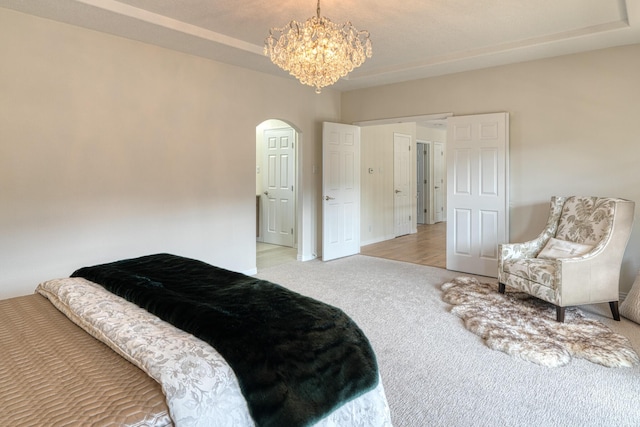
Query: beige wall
{"type": "Point", "coordinates": [574, 126]}
{"type": "Point", "coordinates": [376, 196]}
{"type": "Point", "coordinates": [111, 148]}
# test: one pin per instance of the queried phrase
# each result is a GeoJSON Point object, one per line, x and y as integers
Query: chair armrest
{"type": "Point", "coordinates": [521, 250]}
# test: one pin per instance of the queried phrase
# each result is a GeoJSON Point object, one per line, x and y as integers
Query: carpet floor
{"type": "Point", "coordinates": [437, 373]}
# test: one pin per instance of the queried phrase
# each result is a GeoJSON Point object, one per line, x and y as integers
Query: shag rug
{"type": "Point", "coordinates": [525, 327]}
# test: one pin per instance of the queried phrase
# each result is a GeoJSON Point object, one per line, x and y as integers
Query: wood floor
{"type": "Point", "coordinates": [426, 247]}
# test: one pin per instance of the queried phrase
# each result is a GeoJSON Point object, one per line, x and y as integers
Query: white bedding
{"type": "Point", "coordinates": [200, 387]}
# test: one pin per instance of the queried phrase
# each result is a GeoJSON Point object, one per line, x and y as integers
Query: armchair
{"type": "Point", "coordinates": [576, 259]}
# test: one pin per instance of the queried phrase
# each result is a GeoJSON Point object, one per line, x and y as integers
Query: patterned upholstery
{"type": "Point", "coordinates": [604, 223]}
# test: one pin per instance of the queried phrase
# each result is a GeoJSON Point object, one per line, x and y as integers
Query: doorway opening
{"type": "Point", "coordinates": [276, 193]}
{"type": "Point", "coordinates": [422, 239]}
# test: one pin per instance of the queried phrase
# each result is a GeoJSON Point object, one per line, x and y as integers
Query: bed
{"type": "Point", "coordinates": [164, 340]}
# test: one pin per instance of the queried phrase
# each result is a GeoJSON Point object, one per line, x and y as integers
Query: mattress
{"type": "Point", "coordinates": [54, 373]}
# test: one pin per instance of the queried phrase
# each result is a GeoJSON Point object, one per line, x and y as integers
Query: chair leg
{"type": "Point", "coordinates": [614, 310]}
{"type": "Point", "coordinates": [560, 314]}
{"type": "Point", "coordinates": [501, 288]}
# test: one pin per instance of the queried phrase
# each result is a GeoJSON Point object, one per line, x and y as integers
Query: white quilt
{"type": "Point", "coordinates": [200, 387]}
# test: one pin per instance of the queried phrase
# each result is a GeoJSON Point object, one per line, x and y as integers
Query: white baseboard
{"type": "Point", "coordinates": [306, 257]}
{"type": "Point", "coordinates": [376, 240]}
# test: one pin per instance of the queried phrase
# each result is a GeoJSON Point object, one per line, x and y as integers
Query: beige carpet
{"type": "Point", "coordinates": [437, 373]}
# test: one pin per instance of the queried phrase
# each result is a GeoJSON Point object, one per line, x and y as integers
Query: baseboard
{"type": "Point", "coordinates": [250, 272]}
{"type": "Point", "coordinates": [372, 241]}
{"type": "Point", "coordinates": [376, 240]}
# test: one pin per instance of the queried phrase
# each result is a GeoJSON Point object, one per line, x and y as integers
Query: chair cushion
{"type": "Point", "coordinates": [541, 271]}
{"type": "Point", "coordinates": [585, 220]}
{"type": "Point", "coordinates": [556, 248]}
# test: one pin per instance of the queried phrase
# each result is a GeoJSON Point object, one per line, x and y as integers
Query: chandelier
{"type": "Point", "coordinates": [318, 52]}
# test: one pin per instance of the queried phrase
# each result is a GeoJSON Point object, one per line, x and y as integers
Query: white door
{"type": "Point", "coordinates": [340, 190]}
{"type": "Point", "coordinates": [439, 213]}
{"type": "Point", "coordinates": [477, 191]}
{"type": "Point", "coordinates": [402, 173]}
{"type": "Point", "coordinates": [278, 201]}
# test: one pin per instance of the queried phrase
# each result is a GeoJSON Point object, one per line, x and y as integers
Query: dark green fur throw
{"type": "Point", "coordinates": [296, 359]}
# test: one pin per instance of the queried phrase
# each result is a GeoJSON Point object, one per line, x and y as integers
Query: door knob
{"type": "Point", "coordinates": [329, 198]}
{"type": "Point", "coordinates": [266, 193]}
{"type": "Point", "coordinates": [398, 191]}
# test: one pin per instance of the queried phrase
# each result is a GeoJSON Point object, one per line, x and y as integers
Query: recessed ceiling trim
{"type": "Point", "coordinates": [500, 48]}
{"type": "Point", "coordinates": [172, 24]}
{"type": "Point", "coordinates": [406, 119]}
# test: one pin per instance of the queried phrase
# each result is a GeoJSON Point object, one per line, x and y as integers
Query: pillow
{"type": "Point", "coordinates": [630, 307]}
{"type": "Point", "coordinates": [556, 248]}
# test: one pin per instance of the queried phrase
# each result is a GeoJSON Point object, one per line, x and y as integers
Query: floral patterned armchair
{"type": "Point", "coordinates": [576, 259]}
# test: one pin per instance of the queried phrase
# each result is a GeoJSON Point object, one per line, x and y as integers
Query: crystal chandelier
{"type": "Point", "coordinates": [318, 52]}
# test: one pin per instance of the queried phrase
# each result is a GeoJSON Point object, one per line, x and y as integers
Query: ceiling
{"type": "Point", "coordinates": [411, 38]}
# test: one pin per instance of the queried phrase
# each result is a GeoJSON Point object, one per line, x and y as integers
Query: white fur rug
{"type": "Point", "coordinates": [525, 327]}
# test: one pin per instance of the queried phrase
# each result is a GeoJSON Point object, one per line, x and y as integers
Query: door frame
{"type": "Point", "coordinates": [439, 163]}
{"type": "Point", "coordinates": [301, 235]}
{"type": "Point", "coordinates": [424, 188]}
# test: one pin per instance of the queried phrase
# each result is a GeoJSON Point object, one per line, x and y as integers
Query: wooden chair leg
{"type": "Point", "coordinates": [501, 288]}
{"type": "Point", "coordinates": [614, 310]}
{"type": "Point", "coordinates": [560, 314]}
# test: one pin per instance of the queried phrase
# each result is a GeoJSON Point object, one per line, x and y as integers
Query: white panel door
{"type": "Point", "coordinates": [477, 192]}
{"type": "Point", "coordinates": [340, 190]}
{"type": "Point", "coordinates": [402, 177]}
{"type": "Point", "coordinates": [278, 202]}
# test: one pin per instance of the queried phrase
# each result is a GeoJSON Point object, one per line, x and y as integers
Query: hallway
{"type": "Point", "coordinates": [426, 247]}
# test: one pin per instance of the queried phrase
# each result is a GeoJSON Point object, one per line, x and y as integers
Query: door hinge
{"type": "Point", "coordinates": [292, 188]}
{"type": "Point", "coordinates": [292, 231]}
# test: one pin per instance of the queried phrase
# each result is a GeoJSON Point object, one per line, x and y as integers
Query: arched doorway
{"type": "Point", "coordinates": [276, 192]}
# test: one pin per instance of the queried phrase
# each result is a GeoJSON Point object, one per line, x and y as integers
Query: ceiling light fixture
{"type": "Point", "coordinates": [318, 52]}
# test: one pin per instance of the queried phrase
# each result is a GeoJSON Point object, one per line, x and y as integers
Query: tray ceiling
{"type": "Point", "coordinates": [411, 39]}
